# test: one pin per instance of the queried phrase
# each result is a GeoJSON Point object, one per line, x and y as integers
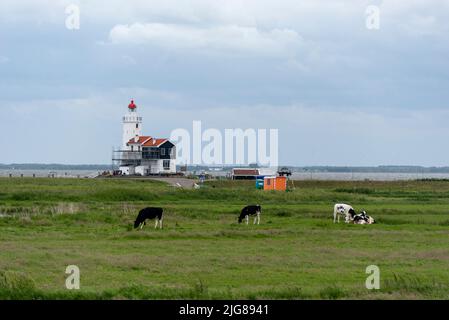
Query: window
{"type": "Point", "coordinates": [166, 164]}
{"type": "Point", "coordinates": [169, 152]}
{"type": "Point", "coordinates": [162, 151]}
{"type": "Point", "coordinates": [151, 153]}
{"type": "Point", "coordinates": [137, 126]}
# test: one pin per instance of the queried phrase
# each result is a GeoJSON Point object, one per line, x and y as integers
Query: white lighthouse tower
{"type": "Point", "coordinates": [132, 124]}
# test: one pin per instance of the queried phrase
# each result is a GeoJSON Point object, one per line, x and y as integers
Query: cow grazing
{"type": "Point", "coordinates": [254, 210]}
{"type": "Point", "coordinates": [149, 213]}
{"type": "Point", "coordinates": [341, 209]}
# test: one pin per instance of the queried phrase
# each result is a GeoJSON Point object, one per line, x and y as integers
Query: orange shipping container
{"type": "Point", "coordinates": [275, 183]}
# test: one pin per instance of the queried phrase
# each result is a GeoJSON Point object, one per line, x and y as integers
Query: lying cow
{"type": "Point", "coordinates": [341, 209]}
{"type": "Point", "coordinates": [149, 213]}
{"type": "Point", "coordinates": [363, 218]}
{"type": "Point", "coordinates": [255, 210]}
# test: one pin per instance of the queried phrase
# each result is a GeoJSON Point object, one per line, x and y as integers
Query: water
{"type": "Point", "coordinates": [356, 176]}
{"type": "Point", "coordinates": [339, 176]}
{"type": "Point", "coordinates": [361, 176]}
{"type": "Point", "coordinates": [46, 173]}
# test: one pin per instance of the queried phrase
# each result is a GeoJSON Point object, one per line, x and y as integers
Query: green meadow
{"type": "Point", "coordinates": [297, 252]}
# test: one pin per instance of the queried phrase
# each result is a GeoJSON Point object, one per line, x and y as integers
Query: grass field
{"type": "Point", "coordinates": [296, 252]}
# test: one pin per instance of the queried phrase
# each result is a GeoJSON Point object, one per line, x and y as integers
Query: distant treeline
{"type": "Point", "coordinates": [54, 166]}
{"type": "Point", "coordinates": [382, 169]}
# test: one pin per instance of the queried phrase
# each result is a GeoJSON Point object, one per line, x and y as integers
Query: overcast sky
{"type": "Point", "coordinates": [339, 93]}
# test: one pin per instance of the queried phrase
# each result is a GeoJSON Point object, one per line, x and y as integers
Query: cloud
{"type": "Point", "coordinates": [320, 73]}
{"type": "Point", "coordinates": [308, 15]}
{"type": "Point", "coordinates": [227, 38]}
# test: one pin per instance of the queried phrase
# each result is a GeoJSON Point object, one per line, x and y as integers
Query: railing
{"type": "Point", "coordinates": [131, 119]}
{"type": "Point", "coordinates": [134, 157]}
{"type": "Point", "coordinates": [127, 155]}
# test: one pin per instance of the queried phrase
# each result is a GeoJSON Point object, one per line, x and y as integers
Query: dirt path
{"type": "Point", "coordinates": [183, 182]}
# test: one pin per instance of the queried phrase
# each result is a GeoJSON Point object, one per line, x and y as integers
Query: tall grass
{"type": "Point", "coordinates": [413, 283]}
{"type": "Point", "coordinates": [203, 253]}
{"type": "Point", "coordinates": [16, 285]}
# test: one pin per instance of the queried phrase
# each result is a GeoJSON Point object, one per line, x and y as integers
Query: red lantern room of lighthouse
{"type": "Point", "coordinates": [132, 106]}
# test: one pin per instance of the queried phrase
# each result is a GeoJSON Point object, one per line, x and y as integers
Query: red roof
{"type": "Point", "coordinates": [245, 172]}
{"type": "Point", "coordinates": [154, 142]}
{"type": "Point", "coordinates": [141, 140]}
{"type": "Point", "coordinates": [147, 141]}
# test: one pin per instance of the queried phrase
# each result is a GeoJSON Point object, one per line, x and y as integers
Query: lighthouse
{"type": "Point", "coordinates": [132, 124]}
{"type": "Point", "coordinates": [142, 155]}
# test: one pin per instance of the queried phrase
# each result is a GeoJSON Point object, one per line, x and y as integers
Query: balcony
{"type": "Point", "coordinates": [127, 157]}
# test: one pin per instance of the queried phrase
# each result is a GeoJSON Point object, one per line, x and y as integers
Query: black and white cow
{"type": "Point", "coordinates": [253, 210]}
{"type": "Point", "coordinates": [149, 213]}
{"type": "Point", "coordinates": [363, 218]}
{"type": "Point", "coordinates": [342, 209]}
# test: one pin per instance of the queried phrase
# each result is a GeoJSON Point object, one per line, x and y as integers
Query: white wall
{"type": "Point", "coordinates": [157, 166]}
{"type": "Point", "coordinates": [127, 170]}
{"type": "Point", "coordinates": [150, 167]}
{"type": "Point", "coordinates": [142, 170]}
{"type": "Point", "coordinates": [129, 127]}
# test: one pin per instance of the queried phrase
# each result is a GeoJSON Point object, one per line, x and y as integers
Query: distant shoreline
{"type": "Point", "coordinates": [55, 166]}
{"type": "Point", "coordinates": [298, 169]}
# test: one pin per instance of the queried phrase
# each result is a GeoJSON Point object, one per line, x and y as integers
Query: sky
{"type": "Point", "coordinates": [339, 92]}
